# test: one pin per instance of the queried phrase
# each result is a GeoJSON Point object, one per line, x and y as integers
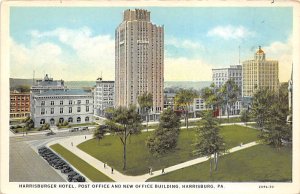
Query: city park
{"type": "Point", "coordinates": [126, 146]}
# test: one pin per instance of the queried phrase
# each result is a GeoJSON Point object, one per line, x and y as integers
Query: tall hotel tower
{"type": "Point", "coordinates": [139, 59]}
{"type": "Point", "coordinates": [259, 73]}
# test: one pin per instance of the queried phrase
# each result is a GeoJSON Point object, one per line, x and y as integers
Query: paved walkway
{"type": "Point", "coordinates": [72, 142]}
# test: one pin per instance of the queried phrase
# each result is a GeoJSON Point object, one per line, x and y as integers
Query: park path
{"type": "Point", "coordinates": [72, 142]}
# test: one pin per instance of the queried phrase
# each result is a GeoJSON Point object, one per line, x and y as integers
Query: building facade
{"type": "Point", "coordinates": [221, 75]}
{"type": "Point", "coordinates": [58, 106]}
{"type": "Point", "coordinates": [259, 73]}
{"type": "Point", "coordinates": [19, 105]}
{"type": "Point", "coordinates": [103, 96]}
{"type": "Point", "coordinates": [44, 85]}
{"type": "Point", "coordinates": [139, 59]}
{"type": "Point", "coordinates": [198, 106]}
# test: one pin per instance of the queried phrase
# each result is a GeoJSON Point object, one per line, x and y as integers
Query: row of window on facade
{"type": "Point", "coordinates": [18, 103]}
{"type": "Point", "coordinates": [18, 110]}
{"type": "Point", "coordinates": [61, 110]}
{"type": "Point", "coordinates": [19, 115]}
{"type": "Point", "coordinates": [61, 120]}
{"type": "Point", "coordinates": [225, 75]}
{"type": "Point", "coordinates": [19, 98]}
{"type": "Point", "coordinates": [62, 102]}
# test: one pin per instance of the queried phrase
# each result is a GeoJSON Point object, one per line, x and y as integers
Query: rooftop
{"type": "Point", "coordinates": [72, 92]}
{"type": "Point", "coordinates": [260, 51]}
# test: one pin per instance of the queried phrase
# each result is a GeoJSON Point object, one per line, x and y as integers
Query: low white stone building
{"type": "Point", "coordinates": [198, 106]}
{"type": "Point", "coordinates": [58, 106]}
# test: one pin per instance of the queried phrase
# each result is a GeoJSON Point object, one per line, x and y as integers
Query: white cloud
{"type": "Point", "coordinates": [43, 57]}
{"type": "Point", "coordinates": [185, 44]}
{"type": "Point", "coordinates": [283, 52]}
{"type": "Point", "coordinates": [64, 53]}
{"type": "Point", "coordinates": [183, 69]}
{"type": "Point", "coordinates": [230, 32]}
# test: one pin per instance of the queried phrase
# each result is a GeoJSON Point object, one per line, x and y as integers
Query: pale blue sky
{"type": "Point", "coordinates": [78, 43]}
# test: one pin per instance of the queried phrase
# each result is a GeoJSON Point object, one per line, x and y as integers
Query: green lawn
{"type": "Point", "coordinates": [255, 164]}
{"type": "Point", "coordinates": [89, 171]}
{"type": "Point", "coordinates": [139, 159]}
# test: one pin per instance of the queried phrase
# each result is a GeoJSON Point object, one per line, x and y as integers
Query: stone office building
{"type": "Point", "coordinates": [103, 96]}
{"type": "Point", "coordinates": [259, 73]}
{"type": "Point", "coordinates": [139, 60]}
{"type": "Point", "coordinates": [58, 106]}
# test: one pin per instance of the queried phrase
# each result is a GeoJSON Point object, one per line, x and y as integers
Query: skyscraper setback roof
{"type": "Point", "coordinates": [137, 14]}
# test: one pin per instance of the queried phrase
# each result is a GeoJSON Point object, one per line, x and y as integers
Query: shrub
{"type": "Point", "coordinates": [65, 123]}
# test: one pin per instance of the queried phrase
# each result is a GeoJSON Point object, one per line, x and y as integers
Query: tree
{"type": "Point", "coordinates": [124, 122]}
{"type": "Point", "coordinates": [245, 116]}
{"type": "Point", "coordinates": [263, 99]}
{"type": "Point", "coordinates": [29, 124]}
{"type": "Point", "coordinates": [99, 132]}
{"type": "Point", "coordinates": [165, 138]}
{"type": "Point", "coordinates": [211, 96]}
{"type": "Point", "coordinates": [208, 140]}
{"type": "Point", "coordinates": [44, 127]}
{"type": "Point", "coordinates": [229, 92]}
{"type": "Point", "coordinates": [275, 129]}
{"type": "Point", "coordinates": [183, 99]}
{"type": "Point", "coordinates": [145, 102]}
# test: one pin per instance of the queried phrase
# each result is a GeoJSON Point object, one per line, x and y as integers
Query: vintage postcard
{"type": "Point", "coordinates": [150, 96]}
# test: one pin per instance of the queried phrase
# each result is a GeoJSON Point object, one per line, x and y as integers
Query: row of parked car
{"type": "Point", "coordinates": [79, 129]}
{"type": "Point", "coordinates": [55, 161]}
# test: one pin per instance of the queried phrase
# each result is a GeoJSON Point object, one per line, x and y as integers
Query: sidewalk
{"type": "Point", "coordinates": [119, 177]}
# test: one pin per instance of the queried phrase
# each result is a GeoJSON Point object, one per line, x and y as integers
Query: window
{"type": "Point", "coordinates": [87, 119]}
{"type": "Point", "coordinates": [52, 121]}
{"type": "Point", "coordinates": [42, 111]}
{"type": "Point", "coordinates": [87, 109]}
{"type": "Point", "coordinates": [87, 101]}
{"type": "Point", "coordinates": [42, 121]}
{"type": "Point", "coordinates": [52, 111]}
{"type": "Point", "coordinates": [70, 120]}
{"type": "Point", "coordinates": [78, 119]}
{"type": "Point", "coordinates": [70, 109]}
{"type": "Point", "coordinates": [70, 102]}
{"type": "Point", "coordinates": [61, 110]}
{"type": "Point", "coordinates": [78, 101]}
{"type": "Point", "coordinates": [61, 120]}
{"type": "Point", "coordinates": [43, 103]}
{"type": "Point", "coordinates": [78, 109]}
{"type": "Point", "coordinates": [52, 102]}
{"type": "Point", "coordinates": [61, 102]}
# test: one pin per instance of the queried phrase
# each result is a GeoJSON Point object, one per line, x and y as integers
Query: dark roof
{"type": "Point", "coordinates": [64, 93]}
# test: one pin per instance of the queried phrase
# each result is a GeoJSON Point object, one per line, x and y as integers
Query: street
{"type": "Point", "coordinates": [25, 165]}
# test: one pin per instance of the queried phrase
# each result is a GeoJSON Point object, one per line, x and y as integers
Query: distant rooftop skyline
{"type": "Point", "coordinates": [78, 43]}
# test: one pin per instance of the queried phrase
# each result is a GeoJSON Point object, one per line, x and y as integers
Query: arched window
{"type": "Point", "coordinates": [61, 120]}
{"type": "Point", "coordinates": [78, 119]}
{"type": "Point", "coordinates": [42, 121]}
{"type": "Point", "coordinates": [87, 119]}
{"type": "Point", "coordinates": [70, 120]}
{"type": "Point", "coordinates": [52, 121]}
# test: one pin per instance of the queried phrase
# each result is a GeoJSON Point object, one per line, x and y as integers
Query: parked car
{"type": "Point", "coordinates": [66, 169]}
{"type": "Point", "coordinates": [74, 129]}
{"type": "Point", "coordinates": [77, 178]}
{"type": "Point", "coordinates": [72, 173]}
{"type": "Point", "coordinates": [50, 133]}
{"type": "Point", "coordinates": [84, 128]}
